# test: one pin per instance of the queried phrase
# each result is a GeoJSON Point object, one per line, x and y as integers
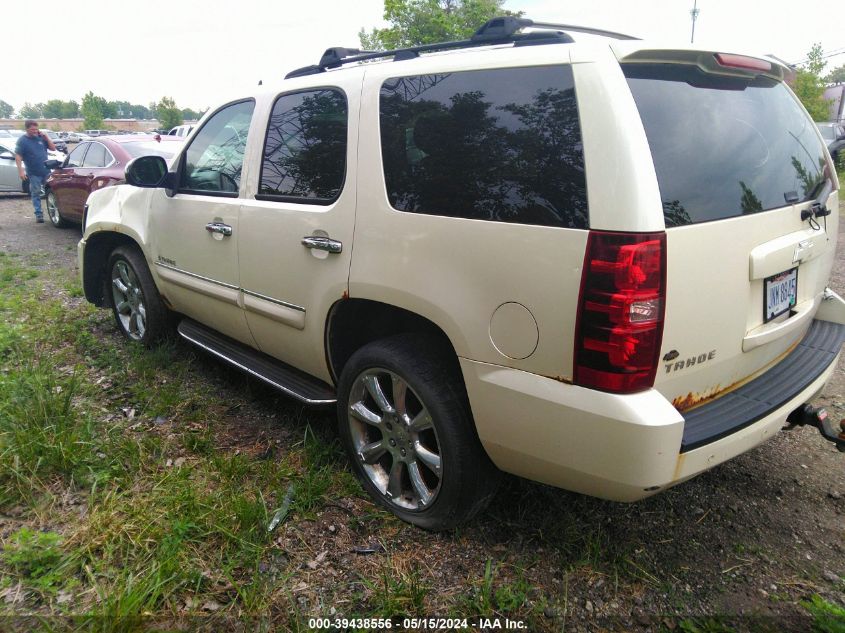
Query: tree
{"type": "Point", "coordinates": [168, 114]}
{"type": "Point", "coordinates": [6, 110]}
{"type": "Point", "coordinates": [53, 109]}
{"type": "Point", "coordinates": [415, 22]}
{"type": "Point", "coordinates": [836, 76]}
{"type": "Point", "coordinates": [190, 115]}
{"type": "Point", "coordinates": [29, 111]}
{"type": "Point", "coordinates": [809, 86]}
{"type": "Point", "coordinates": [92, 111]}
{"type": "Point", "coordinates": [70, 109]}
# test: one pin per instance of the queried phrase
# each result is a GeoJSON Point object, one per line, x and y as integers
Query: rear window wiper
{"type": "Point", "coordinates": [818, 208]}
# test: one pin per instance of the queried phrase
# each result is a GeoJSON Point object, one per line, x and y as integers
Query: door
{"type": "Point", "coordinates": [67, 183]}
{"type": "Point", "coordinates": [296, 229]}
{"type": "Point", "coordinates": [87, 178]}
{"type": "Point", "coordinates": [9, 177]}
{"type": "Point", "coordinates": [194, 236]}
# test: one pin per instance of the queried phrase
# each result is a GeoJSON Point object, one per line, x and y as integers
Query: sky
{"type": "Point", "coordinates": [202, 52]}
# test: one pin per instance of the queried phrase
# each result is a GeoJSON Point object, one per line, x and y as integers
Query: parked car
{"type": "Point", "coordinates": [604, 268]}
{"type": "Point", "coordinates": [93, 165]}
{"type": "Point", "coordinates": [96, 133]}
{"type": "Point", "coordinates": [181, 130]}
{"type": "Point", "coordinates": [58, 142]}
{"type": "Point", "coordinates": [10, 180]}
{"type": "Point", "coordinates": [834, 135]}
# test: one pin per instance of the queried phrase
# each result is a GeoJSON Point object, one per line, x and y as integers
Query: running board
{"type": "Point", "coordinates": [275, 373]}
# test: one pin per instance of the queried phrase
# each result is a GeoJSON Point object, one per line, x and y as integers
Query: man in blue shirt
{"type": "Point", "coordinates": [31, 152]}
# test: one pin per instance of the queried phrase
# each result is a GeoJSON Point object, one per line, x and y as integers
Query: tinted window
{"type": "Point", "coordinates": [74, 159]}
{"type": "Point", "coordinates": [305, 150]}
{"type": "Point", "coordinates": [96, 156]}
{"type": "Point", "coordinates": [724, 146]}
{"type": "Point", "coordinates": [501, 145]}
{"type": "Point", "coordinates": [214, 160]}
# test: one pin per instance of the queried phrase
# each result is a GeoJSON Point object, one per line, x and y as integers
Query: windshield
{"type": "Point", "coordinates": [724, 146]}
{"type": "Point", "coordinates": [151, 148]}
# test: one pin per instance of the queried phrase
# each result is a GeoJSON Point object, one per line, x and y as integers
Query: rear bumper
{"type": "Point", "coordinates": [768, 392]}
{"type": "Point", "coordinates": [627, 447]}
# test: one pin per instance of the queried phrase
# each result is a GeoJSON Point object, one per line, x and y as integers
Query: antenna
{"type": "Point", "coordinates": [694, 15]}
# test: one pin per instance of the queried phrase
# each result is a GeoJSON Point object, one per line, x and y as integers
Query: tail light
{"type": "Point", "coordinates": [741, 61]}
{"type": "Point", "coordinates": [620, 311]}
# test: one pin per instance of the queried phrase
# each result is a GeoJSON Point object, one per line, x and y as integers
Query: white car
{"type": "Point", "coordinates": [181, 130]}
{"type": "Point", "coordinates": [594, 262]}
{"type": "Point", "coordinates": [9, 178]}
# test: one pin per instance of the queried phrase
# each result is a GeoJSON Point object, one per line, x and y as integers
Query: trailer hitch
{"type": "Point", "coordinates": [817, 417]}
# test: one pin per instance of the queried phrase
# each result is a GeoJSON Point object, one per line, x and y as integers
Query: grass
{"type": "Point", "coordinates": [827, 617]}
{"type": "Point", "coordinates": [138, 497]}
{"type": "Point", "coordinates": [118, 446]}
{"type": "Point", "coordinates": [144, 483]}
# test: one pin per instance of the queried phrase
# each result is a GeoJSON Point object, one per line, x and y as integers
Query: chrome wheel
{"type": "Point", "coordinates": [394, 439]}
{"type": "Point", "coordinates": [53, 210]}
{"type": "Point", "coordinates": [128, 300]}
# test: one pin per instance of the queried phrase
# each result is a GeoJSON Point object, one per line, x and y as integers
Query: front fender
{"type": "Point", "coordinates": [116, 216]}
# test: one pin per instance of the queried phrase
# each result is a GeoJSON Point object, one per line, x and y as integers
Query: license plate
{"type": "Point", "coordinates": [781, 292]}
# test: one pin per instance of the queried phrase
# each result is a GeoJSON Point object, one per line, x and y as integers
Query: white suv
{"type": "Point", "coordinates": [599, 264]}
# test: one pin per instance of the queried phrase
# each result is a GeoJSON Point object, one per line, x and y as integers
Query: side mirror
{"type": "Point", "coordinates": [146, 171]}
{"type": "Point", "coordinates": [53, 164]}
{"type": "Point", "coordinates": [7, 155]}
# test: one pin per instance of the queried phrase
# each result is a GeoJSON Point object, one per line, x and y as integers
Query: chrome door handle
{"type": "Point", "coordinates": [322, 243]}
{"type": "Point", "coordinates": [219, 227]}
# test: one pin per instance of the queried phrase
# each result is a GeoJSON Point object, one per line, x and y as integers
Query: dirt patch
{"type": "Point", "coordinates": [750, 538]}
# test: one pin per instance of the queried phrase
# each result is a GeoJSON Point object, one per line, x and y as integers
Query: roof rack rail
{"type": "Point", "coordinates": [501, 30]}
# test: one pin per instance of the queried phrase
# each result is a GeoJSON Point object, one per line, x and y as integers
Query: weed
{"type": "Point", "coordinates": [495, 594]}
{"type": "Point", "coordinates": [396, 591]}
{"type": "Point", "coordinates": [827, 617]}
{"type": "Point", "coordinates": [41, 434]}
{"type": "Point", "coordinates": [37, 558]}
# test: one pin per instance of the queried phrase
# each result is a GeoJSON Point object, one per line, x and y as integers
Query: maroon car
{"type": "Point", "coordinates": [95, 164]}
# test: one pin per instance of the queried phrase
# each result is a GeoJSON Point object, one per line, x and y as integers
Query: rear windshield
{"type": "Point", "coordinates": [724, 146]}
{"type": "Point", "coordinates": [151, 148]}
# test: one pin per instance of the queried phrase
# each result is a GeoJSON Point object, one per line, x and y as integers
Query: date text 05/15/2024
{"type": "Point", "coordinates": [417, 624]}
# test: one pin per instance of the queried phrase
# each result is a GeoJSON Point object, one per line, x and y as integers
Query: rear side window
{"type": "Point", "coordinates": [305, 150]}
{"type": "Point", "coordinates": [724, 146]}
{"type": "Point", "coordinates": [501, 145]}
{"type": "Point", "coordinates": [97, 156]}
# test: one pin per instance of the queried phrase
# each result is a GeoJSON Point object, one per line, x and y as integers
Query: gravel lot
{"type": "Point", "coordinates": [750, 538]}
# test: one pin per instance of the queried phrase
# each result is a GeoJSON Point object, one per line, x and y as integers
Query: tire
{"type": "Point", "coordinates": [53, 212]}
{"type": "Point", "coordinates": [405, 422]}
{"type": "Point", "coordinates": [137, 307]}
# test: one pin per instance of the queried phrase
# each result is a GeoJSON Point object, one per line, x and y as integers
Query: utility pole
{"type": "Point", "coordinates": [694, 14]}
